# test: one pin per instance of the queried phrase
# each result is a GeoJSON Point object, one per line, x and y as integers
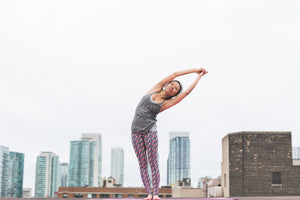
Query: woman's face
{"type": "Point", "coordinates": [172, 88]}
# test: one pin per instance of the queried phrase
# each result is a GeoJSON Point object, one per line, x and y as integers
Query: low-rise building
{"type": "Point", "coordinates": [259, 164]}
{"type": "Point", "coordinates": [203, 184]}
{"type": "Point", "coordinates": [181, 192]}
{"type": "Point", "coordinates": [108, 182]}
{"type": "Point", "coordinates": [183, 189]}
{"type": "Point", "coordinates": [26, 193]}
{"type": "Point", "coordinates": [214, 188]}
{"type": "Point", "coordinates": [105, 192]}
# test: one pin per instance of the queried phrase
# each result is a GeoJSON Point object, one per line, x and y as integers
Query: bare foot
{"type": "Point", "coordinates": [149, 197]}
{"type": "Point", "coordinates": [155, 197]}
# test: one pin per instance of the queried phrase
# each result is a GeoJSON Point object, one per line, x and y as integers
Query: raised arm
{"type": "Point", "coordinates": [171, 77]}
{"type": "Point", "coordinates": [177, 99]}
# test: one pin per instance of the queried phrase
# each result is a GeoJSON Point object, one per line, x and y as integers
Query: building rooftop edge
{"type": "Point", "coordinates": [92, 187]}
{"type": "Point", "coordinates": [258, 132]}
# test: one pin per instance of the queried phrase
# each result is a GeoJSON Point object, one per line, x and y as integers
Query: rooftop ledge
{"type": "Point", "coordinates": [261, 132]}
{"type": "Point", "coordinates": [216, 198]}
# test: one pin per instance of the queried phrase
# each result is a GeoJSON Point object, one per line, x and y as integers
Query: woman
{"type": "Point", "coordinates": [162, 96]}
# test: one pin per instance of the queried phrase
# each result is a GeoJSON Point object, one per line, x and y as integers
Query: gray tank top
{"type": "Point", "coordinates": [145, 114]}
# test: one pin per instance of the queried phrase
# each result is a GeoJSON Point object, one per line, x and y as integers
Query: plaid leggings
{"type": "Point", "coordinates": [143, 144]}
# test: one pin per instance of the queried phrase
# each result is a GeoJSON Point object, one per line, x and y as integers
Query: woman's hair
{"type": "Point", "coordinates": [180, 89]}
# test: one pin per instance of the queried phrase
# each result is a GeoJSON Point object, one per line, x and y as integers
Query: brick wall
{"type": "Point", "coordinates": [97, 191]}
{"type": "Point", "coordinates": [254, 156]}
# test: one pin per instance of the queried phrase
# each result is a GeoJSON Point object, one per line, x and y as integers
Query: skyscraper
{"type": "Point", "coordinates": [63, 173]}
{"type": "Point", "coordinates": [15, 174]}
{"type": "Point", "coordinates": [47, 174]}
{"type": "Point", "coordinates": [85, 166]}
{"type": "Point", "coordinates": [3, 170]}
{"type": "Point", "coordinates": [95, 157]}
{"type": "Point", "coordinates": [178, 166]}
{"type": "Point", "coordinates": [79, 164]}
{"type": "Point", "coordinates": [117, 165]}
{"type": "Point", "coordinates": [296, 153]}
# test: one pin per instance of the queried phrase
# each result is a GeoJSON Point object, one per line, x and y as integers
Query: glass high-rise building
{"type": "Point", "coordinates": [79, 164]}
{"type": "Point", "coordinates": [85, 166]}
{"type": "Point", "coordinates": [15, 174]}
{"type": "Point", "coordinates": [296, 153]}
{"type": "Point", "coordinates": [4, 156]}
{"type": "Point", "coordinates": [95, 155]}
{"type": "Point", "coordinates": [117, 165]}
{"type": "Point", "coordinates": [178, 166]}
{"type": "Point", "coordinates": [63, 173]}
{"type": "Point", "coordinates": [47, 175]}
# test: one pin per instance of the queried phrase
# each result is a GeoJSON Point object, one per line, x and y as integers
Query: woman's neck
{"type": "Point", "coordinates": [162, 95]}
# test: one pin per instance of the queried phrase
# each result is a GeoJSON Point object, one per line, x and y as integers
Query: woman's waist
{"type": "Point", "coordinates": [144, 119]}
{"type": "Point", "coordinates": [145, 116]}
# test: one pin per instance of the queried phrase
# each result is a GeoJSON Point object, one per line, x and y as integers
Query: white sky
{"type": "Point", "coordinates": [73, 67]}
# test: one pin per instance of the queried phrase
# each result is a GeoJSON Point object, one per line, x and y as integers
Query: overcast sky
{"type": "Point", "coordinates": [73, 67]}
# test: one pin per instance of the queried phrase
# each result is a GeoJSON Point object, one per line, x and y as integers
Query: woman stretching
{"type": "Point", "coordinates": [162, 96]}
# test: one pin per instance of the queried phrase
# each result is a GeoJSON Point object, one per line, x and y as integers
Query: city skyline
{"type": "Point", "coordinates": [272, 151]}
{"type": "Point", "coordinates": [49, 155]}
{"type": "Point", "coordinates": [85, 142]}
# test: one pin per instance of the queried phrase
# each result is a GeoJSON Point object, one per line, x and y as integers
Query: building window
{"type": "Point", "coordinates": [89, 196]}
{"type": "Point", "coordinates": [78, 195]}
{"type": "Point", "coordinates": [104, 195]}
{"type": "Point", "coordinates": [65, 195]}
{"type": "Point", "coordinates": [118, 196]}
{"type": "Point", "coordinates": [169, 196]}
{"type": "Point", "coordinates": [276, 177]}
{"type": "Point", "coordinates": [130, 196]}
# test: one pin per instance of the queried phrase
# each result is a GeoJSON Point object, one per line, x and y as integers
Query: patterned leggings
{"type": "Point", "coordinates": [143, 144]}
